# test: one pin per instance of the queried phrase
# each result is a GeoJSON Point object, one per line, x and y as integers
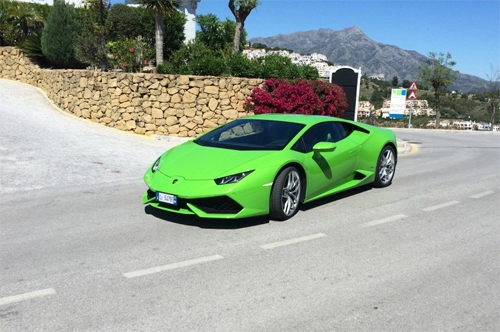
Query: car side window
{"type": "Point", "coordinates": [339, 130]}
{"type": "Point", "coordinates": [323, 132]}
{"type": "Point", "coordinates": [347, 128]}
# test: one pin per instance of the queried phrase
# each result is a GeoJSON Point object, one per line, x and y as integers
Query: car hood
{"type": "Point", "coordinates": [195, 162]}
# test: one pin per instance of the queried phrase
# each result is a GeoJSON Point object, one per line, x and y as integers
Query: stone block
{"type": "Point", "coordinates": [213, 90]}
{"type": "Point", "coordinates": [190, 112]}
{"type": "Point", "coordinates": [150, 126]}
{"type": "Point", "coordinates": [188, 98]}
{"type": "Point", "coordinates": [176, 99]}
{"type": "Point", "coordinates": [212, 104]}
{"type": "Point", "coordinates": [131, 125]}
{"type": "Point", "coordinates": [182, 80]}
{"type": "Point", "coordinates": [157, 113]}
{"type": "Point", "coordinates": [172, 120]}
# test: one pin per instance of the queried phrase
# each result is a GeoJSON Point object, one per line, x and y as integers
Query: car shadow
{"type": "Point", "coordinates": [207, 223]}
{"type": "Point", "coordinates": [336, 197]}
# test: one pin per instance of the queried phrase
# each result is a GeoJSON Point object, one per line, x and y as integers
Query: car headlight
{"type": "Point", "coordinates": [155, 166]}
{"type": "Point", "coordinates": [232, 178]}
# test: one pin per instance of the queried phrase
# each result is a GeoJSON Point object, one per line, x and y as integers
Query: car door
{"type": "Point", "coordinates": [327, 168]}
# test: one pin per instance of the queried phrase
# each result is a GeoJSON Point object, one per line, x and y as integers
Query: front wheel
{"type": "Point", "coordinates": [285, 195]}
{"type": "Point", "coordinates": [386, 167]}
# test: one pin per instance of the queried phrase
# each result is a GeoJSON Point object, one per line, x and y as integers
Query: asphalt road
{"type": "Point", "coordinates": [79, 252]}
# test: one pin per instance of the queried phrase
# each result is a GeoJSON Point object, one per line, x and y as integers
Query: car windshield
{"type": "Point", "coordinates": [248, 134]}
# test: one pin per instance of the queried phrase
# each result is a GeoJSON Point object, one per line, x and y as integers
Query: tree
{"type": "Point", "coordinates": [395, 81]}
{"type": "Point", "coordinates": [161, 7]}
{"type": "Point", "coordinates": [439, 74]}
{"type": "Point", "coordinates": [123, 22]}
{"type": "Point", "coordinates": [58, 35]}
{"type": "Point", "coordinates": [19, 20]}
{"type": "Point", "coordinates": [213, 33]}
{"type": "Point", "coordinates": [90, 42]}
{"type": "Point", "coordinates": [406, 84]}
{"type": "Point", "coordinates": [494, 93]}
{"type": "Point", "coordinates": [218, 35]}
{"type": "Point", "coordinates": [240, 9]}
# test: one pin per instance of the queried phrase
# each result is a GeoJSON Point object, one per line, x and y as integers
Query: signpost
{"type": "Point", "coordinates": [412, 96]}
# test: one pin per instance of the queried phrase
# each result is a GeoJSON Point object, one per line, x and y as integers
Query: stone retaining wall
{"type": "Point", "coordinates": [175, 105]}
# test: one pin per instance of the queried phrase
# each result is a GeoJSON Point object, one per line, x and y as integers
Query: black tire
{"type": "Point", "coordinates": [285, 195]}
{"type": "Point", "coordinates": [386, 167]}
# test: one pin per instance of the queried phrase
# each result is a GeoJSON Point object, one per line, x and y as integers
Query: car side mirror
{"type": "Point", "coordinates": [324, 147]}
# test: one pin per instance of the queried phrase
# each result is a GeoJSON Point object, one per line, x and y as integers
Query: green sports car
{"type": "Point", "coordinates": [269, 164]}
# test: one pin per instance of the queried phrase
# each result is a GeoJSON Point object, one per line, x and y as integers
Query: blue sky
{"type": "Point", "coordinates": [468, 30]}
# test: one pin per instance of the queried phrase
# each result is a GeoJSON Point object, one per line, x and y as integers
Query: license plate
{"type": "Point", "coordinates": [166, 198]}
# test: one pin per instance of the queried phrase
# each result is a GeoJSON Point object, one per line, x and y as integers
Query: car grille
{"type": "Point", "coordinates": [219, 204]}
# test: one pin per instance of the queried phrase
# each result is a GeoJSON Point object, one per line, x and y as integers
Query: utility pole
{"type": "Point", "coordinates": [104, 66]}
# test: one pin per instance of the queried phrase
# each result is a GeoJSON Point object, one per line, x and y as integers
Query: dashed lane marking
{"type": "Point", "coordinates": [383, 221]}
{"type": "Point", "coordinates": [27, 296]}
{"type": "Point", "coordinates": [292, 241]}
{"type": "Point", "coordinates": [486, 193]}
{"type": "Point", "coordinates": [440, 206]}
{"type": "Point", "coordinates": [172, 266]}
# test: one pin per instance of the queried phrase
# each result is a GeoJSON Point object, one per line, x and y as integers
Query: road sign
{"type": "Point", "coordinates": [413, 86]}
{"type": "Point", "coordinates": [398, 103]}
{"type": "Point", "coordinates": [412, 95]}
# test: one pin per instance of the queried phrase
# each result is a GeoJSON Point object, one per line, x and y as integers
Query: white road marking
{"type": "Point", "coordinates": [383, 221]}
{"type": "Point", "coordinates": [172, 266]}
{"type": "Point", "coordinates": [486, 193]}
{"type": "Point", "coordinates": [292, 241]}
{"type": "Point", "coordinates": [440, 206]}
{"type": "Point", "coordinates": [27, 296]}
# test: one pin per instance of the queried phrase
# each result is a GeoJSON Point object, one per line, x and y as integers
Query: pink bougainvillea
{"type": "Point", "coordinates": [298, 96]}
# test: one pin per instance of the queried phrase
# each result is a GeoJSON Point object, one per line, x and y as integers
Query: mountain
{"type": "Point", "coordinates": [351, 47]}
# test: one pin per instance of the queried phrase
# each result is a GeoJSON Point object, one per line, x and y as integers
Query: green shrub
{"type": "Point", "coordinates": [308, 72]}
{"type": "Point", "coordinates": [281, 67]}
{"type": "Point", "coordinates": [129, 55]}
{"type": "Point", "coordinates": [165, 68]}
{"type": "Point", "coordinates": [210, 65]}
{"type": "Point", "coordinates": [241, 66]}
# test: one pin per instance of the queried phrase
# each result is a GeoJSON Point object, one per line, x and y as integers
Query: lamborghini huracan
{"type": "Point", "coordinates": [269, 164]}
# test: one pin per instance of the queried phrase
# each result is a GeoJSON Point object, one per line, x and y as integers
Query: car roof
{"type": "Point", "coordinates": [296, 118]}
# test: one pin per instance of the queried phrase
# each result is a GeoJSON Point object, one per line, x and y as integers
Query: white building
{"type": "Point", "coordinates": [314, 60]}
{"type": "Point", "coordinates": [75, 3]}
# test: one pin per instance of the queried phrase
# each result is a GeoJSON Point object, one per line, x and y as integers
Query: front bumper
{"type": "Point", "coordinates": [206, 199]}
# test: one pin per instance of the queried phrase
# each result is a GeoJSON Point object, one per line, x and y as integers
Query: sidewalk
{"type": "Point", "coordinates": [404, 148]}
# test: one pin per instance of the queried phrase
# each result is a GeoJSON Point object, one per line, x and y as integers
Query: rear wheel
{"type": "Point", "coordinates": [285, 195]}
{"type": "Point", "coordinates": [386, 167]}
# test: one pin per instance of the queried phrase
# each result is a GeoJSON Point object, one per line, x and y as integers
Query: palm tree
{"type": "Point", "coordinates": [161, 7]}
{"type": "Point", "coordinates": [240, 9]}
